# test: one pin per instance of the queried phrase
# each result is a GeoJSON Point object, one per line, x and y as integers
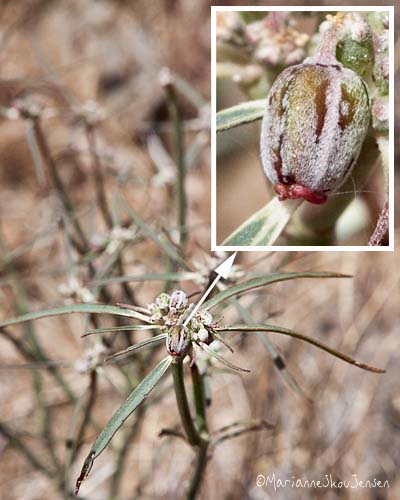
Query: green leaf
{"type": "Point", "coordinates": [146, 277]}
{"type": "Point", "coordinates": [134, 347]}
{"type": "Point", "coordinates": [304, 338]}
{"type": "Point", "coordinates": [265, 226]}
{"type": "Point", "coordinates": [240, 114]}
{"type": "Point", "coordinates": [164, 244]}
{"type": "Point", "coordinates": [221, 359]}
{"type": "Point", "coordinates": [277, 359]}
{"type": "Point", "coordinates": [74, 308]}
{"type": "Point", "coordinates": [120, 329]}
{"type": "Point", "coordinates": [188, 91]}
{"type": "Point", "coordinates": [263, 281]}
{"type": "Point", "coordinates": [140, 392]}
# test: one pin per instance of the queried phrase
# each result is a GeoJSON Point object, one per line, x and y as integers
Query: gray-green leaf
{"type": "Point", "coordinates": [265, 280]}
{"type": "Point", "coordinates": [74, 308]}
{"type": "Point", "coordinates": [127, 408]}
{"type": "Point", "coordinates": [265, 226]}
{"type": "Point", "coordinates": [240, 114]}
{"type": "Point", "coordinates": [304, 338]}
{"type": "Point", "coordinates": [139, 345]}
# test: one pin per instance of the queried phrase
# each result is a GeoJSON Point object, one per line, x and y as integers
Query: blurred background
{"type": "Point", "coordinates": [91, 71]}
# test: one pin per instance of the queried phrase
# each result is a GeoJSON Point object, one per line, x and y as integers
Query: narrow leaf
{"type": "Point", "coordinates": [304, 338]}
{"type": "Point", "coordinates": [187, 90]}
{"type": "Point", "coordinates": [134, 347]}
{"type": "Point", "coordinates": [147, 277]}
{"type": "Point", "coordinates": [140, 392]}
{"type": "Point", "coordinates": [240, 114]}
{"type": "Point", "coordinates": [265, 226]}
{"type": "Point", "coordinates": [120, 328]}
{"type": "Point", "coordinates": [282, 368]}
{"type": "Point", "coordinates": [277, 359]}
{"type": "Point", "coordinates": [263, 281]}
{"type": "Point", "coordinates": [165, 245]}
{"type": "Point", "coordinates": [74, 308]}
{"type": "Point", "coordinates": [221, 359]}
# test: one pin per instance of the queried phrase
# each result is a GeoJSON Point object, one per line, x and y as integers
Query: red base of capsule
{"type": "Point", "coordinates": [296, 191]}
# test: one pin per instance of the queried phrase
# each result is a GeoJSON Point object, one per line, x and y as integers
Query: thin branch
{"type": "Point", "coordinates": [28, 454]}
{"type": "Point", "coordinates": [167, 82]}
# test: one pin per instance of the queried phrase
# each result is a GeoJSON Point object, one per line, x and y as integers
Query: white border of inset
{"type": "Point", "coordinates": [214, 246]}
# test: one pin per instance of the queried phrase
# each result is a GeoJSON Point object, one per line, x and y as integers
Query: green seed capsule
{"type": "Point", "coordinates": [315, 122]}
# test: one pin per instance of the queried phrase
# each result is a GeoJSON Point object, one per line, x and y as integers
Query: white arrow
{"type": "Point", "coordinates": [223, 271]}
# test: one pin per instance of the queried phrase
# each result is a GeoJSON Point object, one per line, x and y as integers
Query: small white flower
{"type": "Point", "coordinates": [203, 335]}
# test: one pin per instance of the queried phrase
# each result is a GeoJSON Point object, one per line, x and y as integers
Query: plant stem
{"type": "Point", "coordinates": [98, 176]}
{"type": "Point", "coordinates": [58, 183]}
{"type": "Point", "coordinates": [176, 119]}
{"type": "Point", "coordinates": [29, 455]}
{"type": "Point", "coordinates": [201, 459]}
{"type": "Point", "coordinates": [191, 432]}
{"type": "Point", "coordinates": [199, 401]}
{"type": "Point", "coordinates": [196, 436]}
{"type": "Point", "coordinates": [201, 463]}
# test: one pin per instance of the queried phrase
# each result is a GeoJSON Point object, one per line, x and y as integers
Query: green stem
{"type": "Point", "coordinates": [176, 119]}
{"type": "Point", "coordinates": [201, 463]}
{"type": "Point", "coordinates": [201, 459]}
{"type": "Point", "coordinates": [199, 401]}
{"type": "Point", "coordinates": [192, 434]}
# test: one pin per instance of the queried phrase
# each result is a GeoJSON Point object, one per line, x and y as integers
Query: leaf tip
{"type": "Point", "coordinates": [86, 468]}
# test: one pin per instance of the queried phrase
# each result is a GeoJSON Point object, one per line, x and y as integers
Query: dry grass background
{"type": "Point", "coordinates": [111, 52]}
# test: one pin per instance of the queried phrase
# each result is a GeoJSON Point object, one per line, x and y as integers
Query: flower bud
{"type": "Point", "coordinates": [315, 122]}
{"type": "Point", "coordinates": [163, 302]}
{"type": "Point", "coordinates": [179, 300]}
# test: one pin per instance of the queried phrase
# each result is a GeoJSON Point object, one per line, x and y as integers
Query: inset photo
{"type": "Point", "coordinates": [302, 128]}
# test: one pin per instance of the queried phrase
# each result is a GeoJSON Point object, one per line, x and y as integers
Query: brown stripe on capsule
{"type": "Point", "coordinates": [278, 161]}
{"type": "Point", "coordinates": [276, 101]}
{"type": "Point", "coordinates": [345, 119]}
{"type": "Point", "coordinates": [276, 98]}
{"type": "Point", "coordinates": [320, 107]}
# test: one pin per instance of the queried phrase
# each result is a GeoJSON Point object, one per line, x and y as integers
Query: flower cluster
{"type": "Point", "coordinates": [170, 313]}
{"type": "Point", "coordinates": [270, 40]}
{"type": "Point", "coordinates": [172, 310]}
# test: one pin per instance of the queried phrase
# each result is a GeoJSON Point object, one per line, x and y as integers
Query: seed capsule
{"type": "Point", "coordinates": [315, 122]}
{"type": "Point", "coordinates": [178, 341]}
